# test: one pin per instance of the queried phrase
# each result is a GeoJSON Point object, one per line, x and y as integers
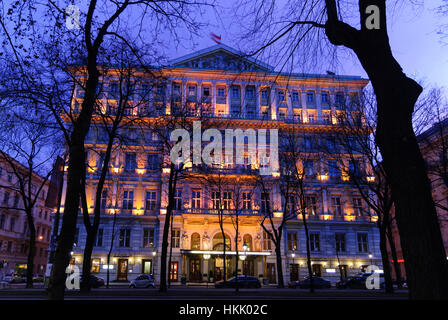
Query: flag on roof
{"type": "Point", "coordinates": [215, 38]}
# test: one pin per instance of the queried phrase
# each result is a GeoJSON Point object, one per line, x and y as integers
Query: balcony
{"type": "Point", "coordinates": [233, 169]}
{"type": "Point", "coordinates": [216, 211]}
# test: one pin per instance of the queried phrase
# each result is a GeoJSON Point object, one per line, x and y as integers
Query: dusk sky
{"type": "Point", "coordinates": [420, 50]}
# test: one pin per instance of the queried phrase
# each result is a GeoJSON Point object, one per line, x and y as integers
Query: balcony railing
{"type": "Point", "coordinates": [217, 211]}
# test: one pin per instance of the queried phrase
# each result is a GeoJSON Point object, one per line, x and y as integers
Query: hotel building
{"type": "Point", "coordinates": [14, 229]}
{"type": "Point", "coordinates": [226, 90]}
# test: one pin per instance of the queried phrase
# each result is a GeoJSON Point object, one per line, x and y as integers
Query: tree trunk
{"type": "Point", "coordinates": [308, 253]}
{"type": "Point", "coordinates": [171, 251]}
{"type": "Point", "coordinates": [75, 170]}
{"type": "Point", "coordinates": [421, 239]}
{"type": "Point", "coordinates": [278, 254]}
{"type": "Point", "coordinates": [385, 260]}
{"type": "Point", "coordinates": [166, 227]}
{"type": "Point", "coordinates": [393, 251]}
{"type": "Point", "coordinates": [32, 251]}
{"type": "Point", "coordinates": [87, 260]}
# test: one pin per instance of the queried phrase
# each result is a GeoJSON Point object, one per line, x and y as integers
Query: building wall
{"type": "Point", "coordinates": [14, 237]}
{"type": "Point", "coordinates": [253, 111]}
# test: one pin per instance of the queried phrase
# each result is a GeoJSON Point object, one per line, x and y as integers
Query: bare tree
{"type": "Point", "coordinates": [83, 44]}
{"type": "Point", "coordinates": [302, 26]}
{"type": "Point", "coordinates": [26, 148]}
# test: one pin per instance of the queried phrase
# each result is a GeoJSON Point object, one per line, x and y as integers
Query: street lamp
{"type": "Point", "coordinates": [370, 257]}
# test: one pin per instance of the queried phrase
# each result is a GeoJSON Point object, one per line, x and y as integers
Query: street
{"type": "Point", "coordinates": [203, 293]}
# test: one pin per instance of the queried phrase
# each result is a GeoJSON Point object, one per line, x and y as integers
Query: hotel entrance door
{"type": "Point", "coordinates": [219, 268]}
{"type": "Point", "coordinates": [195, 270]}
{"type": "Point", "coordinates": [122, 269]}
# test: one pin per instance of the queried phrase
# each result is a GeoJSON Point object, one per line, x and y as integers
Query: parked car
{"type": "Point", "coordinates": [319, 283]}
{"type": "Point", "coordinates": [18, 279]}
{"type": "Point", "coordinates": [143, 281]}
{"type": "Point", "coordinates": [243, 282]}
{"type": "Point", "coordinates": [358, 281]}
{"type": "Point", "coordinates": [95, 282]}
{"type": "Point", "coordinates": [38, 278]}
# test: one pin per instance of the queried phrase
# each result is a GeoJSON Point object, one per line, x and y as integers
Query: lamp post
{"type": "Point", "coordinates": [370, 257]}
{"type": "Point", "coordinates": [245, 256]}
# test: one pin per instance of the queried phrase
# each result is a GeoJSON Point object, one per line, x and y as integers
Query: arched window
{"type": "Point", "coordinates": [247, 240]}
{"type": "Point", "coordinates": [195, 241]}
{"type": "Point", "coordinates": [218, 243]}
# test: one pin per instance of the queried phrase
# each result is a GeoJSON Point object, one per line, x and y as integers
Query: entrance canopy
{"type": "Point", "coordinates": [241, 253]}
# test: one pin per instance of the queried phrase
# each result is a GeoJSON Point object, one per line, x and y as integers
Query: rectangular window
{"type": "Point", "coordinates": [153, 162]}
{"type": "Point", "coordinates": [216, 200]}
{"type": "Point", "coordinates": [311, 205]}
{"type": "Point", "coordinates": [104, 195]}
{"type": "Point", "coordinates": [174, 270]}
{"type": "Point", "coordinates": [175, 234]}
{"type": "Point", "coordinates": [6, 197]}
{"type": "Point", "coordinates": [336, 206]}
{"type": "Point", "coordinates": [196, 199]}
{"type": "Point", "coordinates": [128, 200]}
{"type": "Point", "coordinates": [311, 117]}
{"type": "Point", "coordinates": [267, 242]}
{"type": "Point", "coordinates": [99, 238]}
{"type": "Point", "coordinates": [326, 117]}
{"type": "Point", "coordinates": [310, 97]}
{"type": "Point", "coordinates": [176, 89]}
{"type": "Point", "coordinates": [250, 92]}
{"type": "Point", "coordinates": [247, 203]}
{"type": "Point", "coordinates": [130, 161]}
{"type": "Point", "coordinates": [265, 202]}
{"type": "Point", "coordinates": [151, 200]}
{"type": "Point", "coordinates": [292, 241]}
{"type": "Point", "coordinates": [324, 96]}
{"type": "Point", "coordinates": [353, 168]}
{"type": "Point", "coordinates": [192, 91]}
{"type": "Point", "coordinates": [339, 99]}
{"type": "Point", "coordinates": [357, 207]}
{"type": "Point", "coordinates": [2, 221]}
{"type": "Point", "coordinates": [221, 92]}
{"type": "Point", "coordinates": [125, 238]}
{"type": "Point", "coordinates": [235, 92]}
{"type": "Point", "coordinates": [12, 224]}
{"type": "Point", "coordinates": [308, 168]}
{"type": "Point", "coordinates": [362, 242]}
{"type": "Point", "coordinates": [206, 92]}
{"type": "Point", "coordinates": [340, 242]}
{"type": "Point", "coordinates": [113, 90]}
{"type": "Point", "coordinates": [315, 241]}
{"type": "Point", "coordinates": [178, 205]}
{"type": "Point", "coordinates": [227, 200]}
{"type": "Point", "coordinates": [295, 96]}
{"type": "Point", "coordinates": [95, 265]}
{"type": "Point", "coordinates": [281, 96]}
{"type": "Point", "coordinates": [148, 238]}
{"type": "Point", "coordinates": [333, 168]}
{"type": "Point", "coordinates": [16, 201]}
{"type": "Point", "coordinates": [264, 94]}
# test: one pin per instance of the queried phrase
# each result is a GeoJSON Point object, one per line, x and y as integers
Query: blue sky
{"type": "Point", "coordinates": [413, 36]}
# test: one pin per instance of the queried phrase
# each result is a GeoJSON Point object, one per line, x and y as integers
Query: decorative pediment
{"type": "Point", "coordinates": [220, 57]}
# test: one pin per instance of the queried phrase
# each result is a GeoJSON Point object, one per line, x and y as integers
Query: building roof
{"type": "Point", "coordinates": [436, 128]}
{"type": "Point", "coordinates": [223, 57]}
{"type": "Point", "coordinates": [218, 51]}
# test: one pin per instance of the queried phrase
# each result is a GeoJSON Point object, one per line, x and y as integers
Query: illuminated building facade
{"type": "Point", "coordinates": [211, 86]}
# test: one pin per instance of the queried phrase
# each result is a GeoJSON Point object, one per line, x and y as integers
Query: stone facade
{"type": "Point", "coordinates": [212, 86]}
